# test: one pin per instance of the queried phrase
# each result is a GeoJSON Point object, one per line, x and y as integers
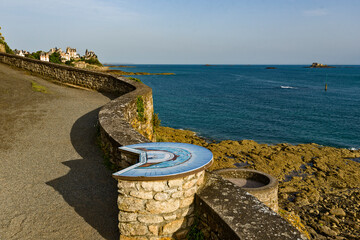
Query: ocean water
{"type": "Point", "coordinates": [287, 104]}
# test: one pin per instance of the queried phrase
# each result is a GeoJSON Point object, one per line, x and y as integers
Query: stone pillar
{"type": "Point", "coordinates": [160, 209]}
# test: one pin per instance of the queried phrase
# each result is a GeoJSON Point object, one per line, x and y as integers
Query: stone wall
{"type": "Point", "coordinates": [226, 211]}
{"type": "Point", "coordinates": [157, 209]}
{"type": "Point", "coordinates": [118, 119]}
{"type": "Point", "coordinates": [120, 125]}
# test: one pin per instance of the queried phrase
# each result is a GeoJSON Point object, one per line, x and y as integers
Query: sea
{"type": "Point", "coordinates": [287, 104]}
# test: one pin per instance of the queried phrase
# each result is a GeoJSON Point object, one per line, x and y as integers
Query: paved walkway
{"type": "Point", "coordinates": [53, 184]}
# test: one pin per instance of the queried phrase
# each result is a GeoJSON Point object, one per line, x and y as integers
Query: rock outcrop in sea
{"type": "Point", "coordinates": [320, 65]}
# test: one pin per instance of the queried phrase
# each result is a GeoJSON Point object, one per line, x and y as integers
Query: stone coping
{"type": "Point", "coordinates": [237, 214]}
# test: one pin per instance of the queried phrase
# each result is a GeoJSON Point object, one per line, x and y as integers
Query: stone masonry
{"type": "Point", "coordinates": [267, 196]}
{"type": "Point", "coordinates": [157, 209]}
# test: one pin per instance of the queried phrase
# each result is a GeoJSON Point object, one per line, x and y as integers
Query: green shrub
{"type": "Point", "coordinates": [70, 62]}
{"type": "Point", "coordinates": [94, 61]}
{"type": "Point", "coordinates": [140, 108]}
{"type": "Point", "coordinates": [55, 58]}
{"type": "Point", "coordinates": [155, 120]}
{"type": "Point", "coordinates": [195, 232]}
{"type": "Point", "coordinates": [34, 55]}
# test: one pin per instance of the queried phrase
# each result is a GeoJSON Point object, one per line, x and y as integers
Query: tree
{"type": "Point", "coordinates": [7, 48]}
{"type": "Point", "coordinates": [55, 58]}
{"type": "Point", "coordinates": [34, 55]}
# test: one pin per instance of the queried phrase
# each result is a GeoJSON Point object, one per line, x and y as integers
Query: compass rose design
{"type": "Point", "coordinates": [164, 159]}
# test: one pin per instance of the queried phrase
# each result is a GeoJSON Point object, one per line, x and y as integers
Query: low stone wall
{"type": "Point", "coordinates": [157, 209]}
{"type": "Point", "coordinates": [120, 125]}
{"type": "Point", "coordinates": [228, 212]}
{"type": "Point", "coordinates": [66, 74]}
{"type": "Point", "coordinates": [119, 120]}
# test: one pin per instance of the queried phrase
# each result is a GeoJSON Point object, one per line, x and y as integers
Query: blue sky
{"type": "Point", "coordinates": [189, 31]}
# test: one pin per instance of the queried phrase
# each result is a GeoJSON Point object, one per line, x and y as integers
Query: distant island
{"type": "Point", "coordinates": [319, 65]}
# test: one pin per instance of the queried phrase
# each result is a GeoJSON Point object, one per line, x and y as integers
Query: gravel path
{"type": "Point", "coordinates": [53, 184]}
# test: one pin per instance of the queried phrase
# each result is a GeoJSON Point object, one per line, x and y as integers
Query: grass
{"type": "Point", "coordinates": [195, 232]}
{"type": "Point", "coordinates": [38, 88]}
{"type": "Point", "coordinates": [134, 79]}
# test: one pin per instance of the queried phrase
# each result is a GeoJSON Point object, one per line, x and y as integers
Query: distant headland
{"type": "Point", "coordinates": [72, 58]}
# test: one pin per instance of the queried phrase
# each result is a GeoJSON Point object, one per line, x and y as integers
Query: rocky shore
{"type": "Point", "coordinates": [318, 185]}
{"type": "Point", "coordinates": [120, 72]}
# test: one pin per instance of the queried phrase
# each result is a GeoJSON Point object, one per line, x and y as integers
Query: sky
{"type": "Point", "coordinates": [189, 31]}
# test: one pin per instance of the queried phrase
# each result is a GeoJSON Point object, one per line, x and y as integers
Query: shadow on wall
{"type": "Point", "coordinates": [89, 187]}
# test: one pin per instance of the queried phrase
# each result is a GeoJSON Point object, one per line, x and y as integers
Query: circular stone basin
{"type": "Point", "coordinates": [247, 178]}
{"type": "Point", "coordinates": [261, 185]}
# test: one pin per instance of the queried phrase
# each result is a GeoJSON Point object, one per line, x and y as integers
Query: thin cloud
{"type": "Point", "coordinates": [316, 12]}
{"type": "Point", "coordinates": [82, 9]}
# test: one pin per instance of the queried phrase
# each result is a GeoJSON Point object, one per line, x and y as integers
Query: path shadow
{"type": "Point", "coordinates": [89, 187]}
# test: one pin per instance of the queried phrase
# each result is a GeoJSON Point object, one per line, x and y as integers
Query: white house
{"type": "Point", "coordinates": [44, 56]}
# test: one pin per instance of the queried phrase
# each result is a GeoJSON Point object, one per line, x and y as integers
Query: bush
{"type": "Point", "coordinates": [70, 62]}
{"type": "Point", "coordinates": [155, 120]}
{"type": "Point", "coordinates": [94, 61]}
{"type": "Point", "coordinates": [34, 55]}
{"type": "Point", "coordinates": [55, 58]}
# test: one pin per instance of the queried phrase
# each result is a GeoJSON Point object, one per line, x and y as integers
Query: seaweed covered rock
{"type": "Point", "coordinates": [315, 181]}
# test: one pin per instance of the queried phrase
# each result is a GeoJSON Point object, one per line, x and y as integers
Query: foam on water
{"type": "Point", "coordinates": [288, 87]}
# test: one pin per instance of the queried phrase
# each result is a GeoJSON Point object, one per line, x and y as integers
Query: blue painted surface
{"type": "Point", "coordinates": [165, 159]}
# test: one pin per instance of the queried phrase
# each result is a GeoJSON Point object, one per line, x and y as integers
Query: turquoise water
{"type": "Point", "coordinates": [286, 104]}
